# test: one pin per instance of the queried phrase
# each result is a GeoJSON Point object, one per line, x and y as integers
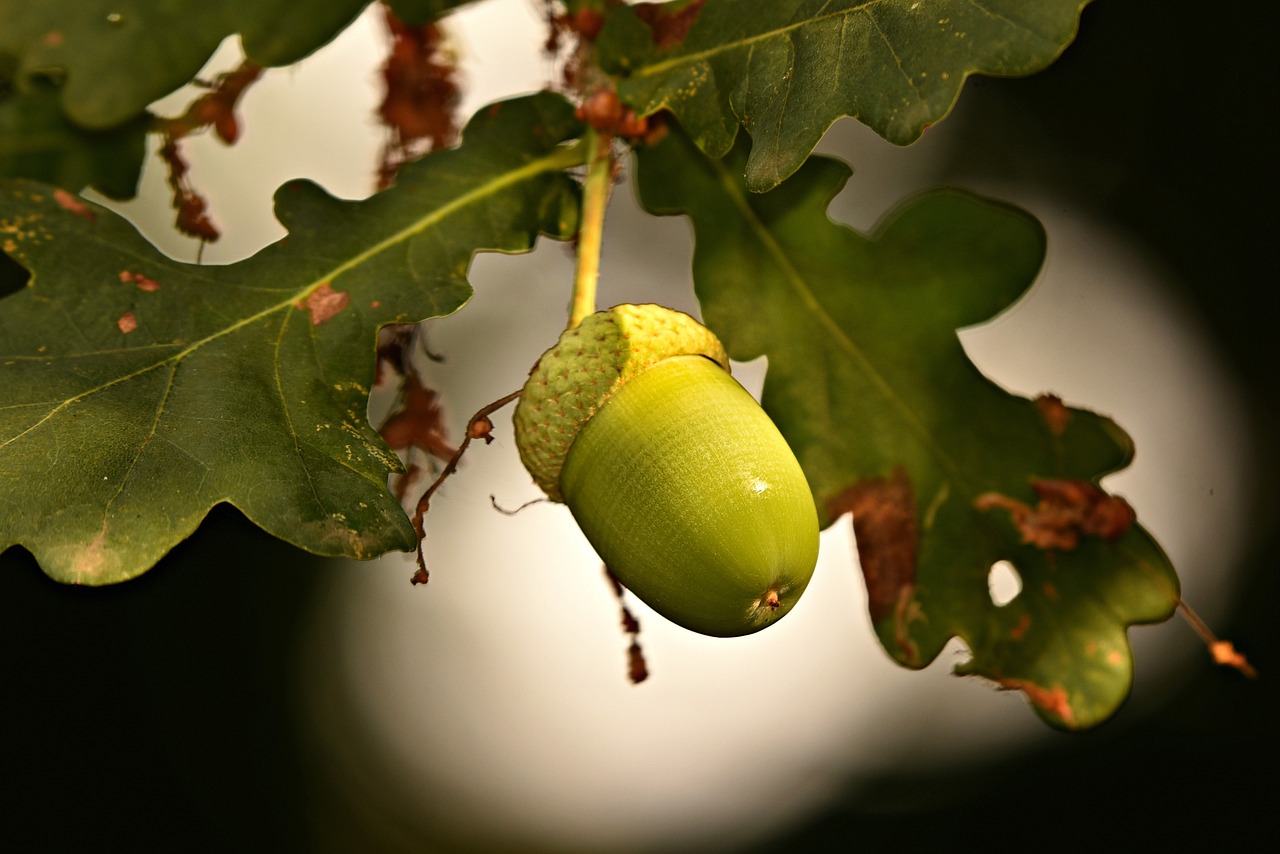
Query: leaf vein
{"type": "Point", "coordinates": [729, 46]}
{"type": "Point", "coordinates": [811, 303]}
{"type": "Point", "coordinates": [553, 161]}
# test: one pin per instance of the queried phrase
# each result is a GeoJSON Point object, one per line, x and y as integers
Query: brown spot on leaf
{"type": "Point", "coordinates": [325, 303]}
{"type": "Point", "coordinates": [668, 23]}
{"type": "Point", "coordinates": [884, 525]}
{"type": "Point", "coordinates": [1067, 510]}
{"type": "Point", "coordinates": [73, 204]}
{"type": "Point", "coordinates": [1019, 631]}
{"type": "Point", "coordinates": [54, 38]}
{"type": "Point", "coordinates": [89, 562]}
{"type": "Point", "coordinates": [1054, 413]}
{"type": "Point", "coordinates": [127, 322]}
{"type": "Point", "coordinates": [1052, 700]}
{"type": "Point", "coordinates": [144, 283]}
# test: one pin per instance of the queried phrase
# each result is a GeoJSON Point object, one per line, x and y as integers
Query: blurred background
{"type": "Point", "coordinates": [246, 696]}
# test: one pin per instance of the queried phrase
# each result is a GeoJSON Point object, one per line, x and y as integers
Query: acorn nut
{"type": "Point", "coordinates": [675, 474]}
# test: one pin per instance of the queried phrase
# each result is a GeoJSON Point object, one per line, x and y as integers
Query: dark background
{"type": "Point", "coordinates": [158, 714]}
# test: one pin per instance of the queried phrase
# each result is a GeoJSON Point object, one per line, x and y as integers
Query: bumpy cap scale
{"type": "Point", "coordinates": [589, 363]}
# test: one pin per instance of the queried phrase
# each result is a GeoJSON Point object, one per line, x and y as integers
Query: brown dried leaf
{"type": "Point", "coordinates": [668, 22]}
{"type": "Point", "coordinates": [418, 424]}
{"type": "Point", "coordinates": [215, 108]}
{"type": "Point", "coordinates": [193, 218]}
{"type": "Point", "coordinates": [421, 97]}
{"type": "Point", "coordinates": [637, 668]}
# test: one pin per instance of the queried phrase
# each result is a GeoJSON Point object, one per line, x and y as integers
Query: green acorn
{"type": "Point", "coordinates": [676, 476]}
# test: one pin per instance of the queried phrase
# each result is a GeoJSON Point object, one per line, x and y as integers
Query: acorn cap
{"type": "Point", "coordinates": [590, 362]}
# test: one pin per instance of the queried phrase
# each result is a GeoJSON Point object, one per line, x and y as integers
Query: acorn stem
{"type": "Point", "coordinates": [595, 198]}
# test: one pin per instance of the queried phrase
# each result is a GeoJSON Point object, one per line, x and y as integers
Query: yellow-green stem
{"type": "Point", "coordinates": [595, 198]}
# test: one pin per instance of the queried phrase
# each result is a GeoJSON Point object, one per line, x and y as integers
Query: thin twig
{"type": "Point", "coordinates": [493, 499]}
{"type": "Point", "coordinates": [478, 427]}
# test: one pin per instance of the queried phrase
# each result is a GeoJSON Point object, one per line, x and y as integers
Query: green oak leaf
{"type": "Point", "coordinates": [114, 57]}
{"type": "Point", "coordinates": [37, 141]}
{"type": "Point", "coordinates": [137, 392]}
{"type": "Point", "coordinates": [890, 420]}
{"type": "Point", "coordinates": [76, 116]}
{"type": "Point", "coordinates": [787, 69]}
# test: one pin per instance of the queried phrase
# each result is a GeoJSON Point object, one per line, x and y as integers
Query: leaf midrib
{"type": "Point", "coordinates": [561, 158]}
{"type": "Point", "coordinates": [725, 47]}
{"type": "Point", "coordinates": [846, 345]}
{"type": "Point", "coordinates": [666, 65]}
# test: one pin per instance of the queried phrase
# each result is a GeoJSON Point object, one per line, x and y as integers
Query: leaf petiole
{"type": "Point", "coordinates": [595, 198]}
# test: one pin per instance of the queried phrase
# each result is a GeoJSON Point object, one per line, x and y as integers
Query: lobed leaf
{"type": "Point", "coordinates": [114, 57]}
{"type": "Point", "coordinates": [787, 69]}
{"type": "Point", "coordinates": [137, 392]}
{"type": "Point", "coordinates": [37, 141]}
{"type": "Point", "coordinates": [891, 421]}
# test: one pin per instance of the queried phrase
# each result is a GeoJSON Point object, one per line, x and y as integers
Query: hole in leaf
{"type": "Point", "coordinates": [1003, 583]}
{"type": "Point", "coordinates": [13, 276]}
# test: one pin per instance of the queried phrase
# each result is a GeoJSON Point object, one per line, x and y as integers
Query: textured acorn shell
{"type": "Point", "coordinates": [589, 364]}
{"type": "Point", "coordinates": [690, 495]}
